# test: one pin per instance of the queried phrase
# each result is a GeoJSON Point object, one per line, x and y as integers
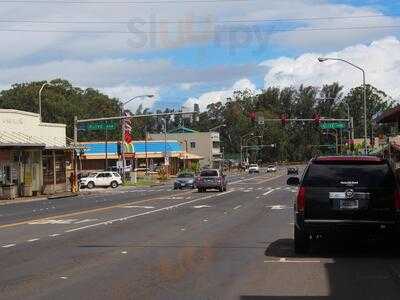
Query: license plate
{"type": "Point", "coordinates": [183, 184]}
{"type": "Point", "coordinates": [349, 204]}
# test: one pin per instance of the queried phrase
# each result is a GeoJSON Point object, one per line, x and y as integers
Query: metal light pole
{"type": "Point", "coordinates": [241, 145]}
{"type": "Point", "coordinates": [123, 130]}
{"type": "Point", "coordinates": [323, 59]}
{"type": "Point", "coordinates": [40, 100]}
{"type": "Point", "coordinates": [212, 144]}
{"type": "Point", "coordinates": [250, 138]}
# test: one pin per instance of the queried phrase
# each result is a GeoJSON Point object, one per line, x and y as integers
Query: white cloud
{"type": "Point", "coordinates": [220, 96]}
{"type": "Point", "coordinates": [112, 18]}
{"type": "Point", "coordinates": [126, 92]}
{"type": "Point", "coordinates": [380, 59]}
{"type": "Point", "coordinates": [187, 86]}
{"type": "Point", "coordinates": [304, 38]}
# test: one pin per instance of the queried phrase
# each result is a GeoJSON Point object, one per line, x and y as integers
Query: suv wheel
{"type": "Point", "coordinates": [301, 241]}
{"type": "Point", "coordinates": [90, 185]}
{"type": "Point", "coordinates": [114, 184]}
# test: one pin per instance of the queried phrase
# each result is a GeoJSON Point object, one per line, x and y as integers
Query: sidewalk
{"type": "Point", "coordinates": [39, 198]}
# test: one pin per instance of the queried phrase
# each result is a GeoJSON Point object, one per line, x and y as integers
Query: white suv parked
{"type": "Point", "coordinates": [104, 179]}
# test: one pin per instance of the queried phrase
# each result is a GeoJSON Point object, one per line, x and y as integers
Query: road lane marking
{"type": "Point", "coordinates": [251, 178]}
{"type": "Point", "coordinates": [86, 221]}
{"type": "Point", "coordinates": [145, 213]}
{"type": "Point", "coordinates": [53, 222]}
{"type": "Point", "coordinates": [201, 206]}
{"type": "Point", "coordinates": [269, 192]}
{"type": "Point", "coordinates": [284, 260]}
{"type": "Point", "coordinates": [54, 235]}
{"type": "Point", "coordinates": [8, 246]}
{"type": "Point", "coordinates": [33, 240]}
{"type": "Point", "coordinates": [269, 179]}
{"type": "Point", "coordinates": [136, 206]}
{"type": "Point", "coordinates": [82, 212]}
{"type": "Point", "coordinates": [277, 207]}
{"type": "Point", "coordinates": [124, 252]}
{"type": "Point", "coordinates": [237, 207]}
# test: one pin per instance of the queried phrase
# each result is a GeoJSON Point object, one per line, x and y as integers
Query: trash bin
{"type": "Point", "coordinates": [8, 192]}
{"type": "Point", "coordinates": [27, 190]}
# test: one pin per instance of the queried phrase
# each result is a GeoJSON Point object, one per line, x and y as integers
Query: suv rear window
{"type": "Point", "coordinates": [338, 174]}
{"type": "Point", "coordinates": [209, 173]}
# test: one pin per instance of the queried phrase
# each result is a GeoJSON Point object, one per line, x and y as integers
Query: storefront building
{"type": "Point", "coordinates": [33, 155]}
{"type": "Point", "coordinates": [99, 155]}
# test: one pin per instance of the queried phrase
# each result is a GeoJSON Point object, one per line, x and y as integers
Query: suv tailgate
{"type": "Point", "coordinates": [349, 191]}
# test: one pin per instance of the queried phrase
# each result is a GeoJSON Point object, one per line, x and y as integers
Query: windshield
{"type": "Point", "coordinates": [185, 175]}
{"type": "Point", "coordinates": [253, 166]}
{"type": "Point", "coordinates": [209, 173]}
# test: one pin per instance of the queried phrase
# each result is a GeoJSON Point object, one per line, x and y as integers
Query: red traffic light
{"type": "Point", "coordinates": [253, 116]}
{"type": "Point", "coordinates": [284, 120]}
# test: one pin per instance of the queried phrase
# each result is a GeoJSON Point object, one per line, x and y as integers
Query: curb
{"type": "Point", "coordinates": [63, 196]}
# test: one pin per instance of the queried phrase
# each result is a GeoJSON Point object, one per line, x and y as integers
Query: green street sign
{"type": "Point", "coordinates": [100, 126]}
{"type": "Point", "coordinates": [333, 125]}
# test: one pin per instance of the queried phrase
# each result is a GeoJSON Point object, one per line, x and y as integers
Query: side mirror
{"type": "Point", "coordinates": [295, 181]}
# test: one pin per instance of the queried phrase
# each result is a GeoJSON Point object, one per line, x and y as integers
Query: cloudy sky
{"type": "Point", "coordinates": [198, 51]}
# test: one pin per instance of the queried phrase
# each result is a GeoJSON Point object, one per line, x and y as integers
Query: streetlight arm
{"type": "Point", "coordinates": [343, 60]}
{"type": "Point", "coordinates": [323, 59]}
{"type": "Point", "coordinates": [40, 99]}
{"type": "Point", "coordinates": [216, 127]}
{"type": "Point", "coordinates": [136, 97]}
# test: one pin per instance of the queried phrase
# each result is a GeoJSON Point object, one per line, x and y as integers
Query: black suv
{"type": "Point", "coordinates": [345, 193]}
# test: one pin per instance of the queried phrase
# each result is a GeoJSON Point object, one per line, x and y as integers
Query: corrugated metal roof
{"type": "Point", "coordinates": [9, 138]}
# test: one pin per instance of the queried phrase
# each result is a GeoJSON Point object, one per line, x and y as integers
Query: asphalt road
{"type": "Point", "coordinates": [185, 245]}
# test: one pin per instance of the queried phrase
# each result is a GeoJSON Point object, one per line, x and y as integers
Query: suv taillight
{"type": "Point", "coordinates": [397, 199]}
{"type": "Point", "coordinates": [301, 199]}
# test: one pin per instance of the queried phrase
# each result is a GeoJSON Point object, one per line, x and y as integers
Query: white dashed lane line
{"type": "Point", "coordinates": [33, 240]}
{"type": "Point", "coordinates": [8, 246]}
{"type": "Point", "coordinates": [237, 207]}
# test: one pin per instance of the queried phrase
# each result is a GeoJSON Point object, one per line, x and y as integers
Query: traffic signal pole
{"type": "Point", "coordinates": [122, 118]}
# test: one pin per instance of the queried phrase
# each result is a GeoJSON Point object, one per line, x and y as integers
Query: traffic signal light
{"type": "Point", "coordinates": [317, 120]}
{"type": "Point", "coordinates": [284, 120]}
{"type": "Point", "coordinates": [253, 116]}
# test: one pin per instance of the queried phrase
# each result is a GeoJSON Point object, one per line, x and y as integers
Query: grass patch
{"type": "Point", "coordinates": [142, 182]}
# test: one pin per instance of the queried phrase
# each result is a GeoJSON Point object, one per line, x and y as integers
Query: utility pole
{"type": "Point", "coordinates": [75, 177]}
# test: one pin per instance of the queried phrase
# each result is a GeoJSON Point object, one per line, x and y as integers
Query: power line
{"type": "Point", "coordinates": [8, 20]}
{"type": "Point", "coordinates": [205, 32]}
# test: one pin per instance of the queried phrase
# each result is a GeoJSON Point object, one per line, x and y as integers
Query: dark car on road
{"type": "Point", "coordinates": [185, 180]}
{"type": "Point", "coordinates": [211, 179]}
{"type": "Point", "coordinates": [357, 194]}
{"type": "Point", "coordinates": [292, 171]}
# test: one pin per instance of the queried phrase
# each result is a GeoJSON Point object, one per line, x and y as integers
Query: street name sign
{"type": "Point", "coordinates": [333, 125]}
{"type": "Point", "coordinates": [100, 126]}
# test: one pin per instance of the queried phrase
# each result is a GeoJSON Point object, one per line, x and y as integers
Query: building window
{"type": "Point", "coordinates": [193, 145]}
{"type": "Point", "coordinates": [216, 145]}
